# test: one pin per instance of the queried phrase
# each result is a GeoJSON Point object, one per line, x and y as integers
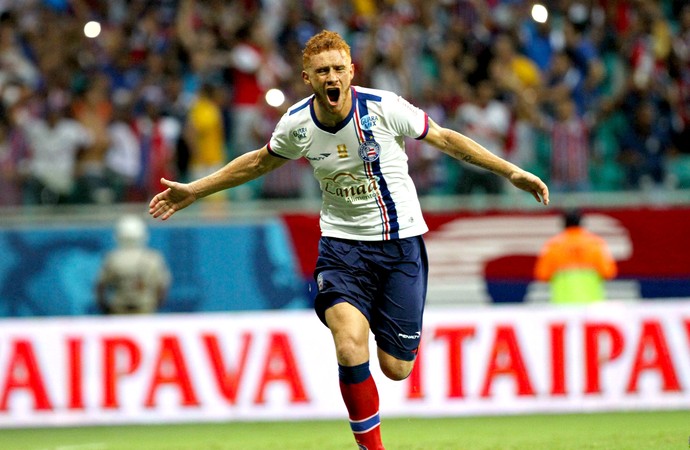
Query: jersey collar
{"type": "Point", "coordinates": [340, 125]}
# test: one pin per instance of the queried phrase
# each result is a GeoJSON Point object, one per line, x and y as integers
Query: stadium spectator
{"type": "Point", "coordinates": [15, 64]}
{"type": "Point", "coordinates": [158, 134]}
{"type": "Point", "coordinates": [486, 120]}
{"type": "Point", "coordinates": [54, 141]}
{"type": "Point", "coordinates": [510, 69]}
{"type": "Point", "coordinates": [644, 147]}
{"type": "Point", "coordinates": [93, 109]}
{"type": "Point", "coordinates": [570, 148]}
{"type": "Point", "coordinates": [10, 160]}
{"type": "Point", "coordinates": [371, 271]}
{"type": "Point", "coordinates": [204, 131]}
{"type": "Point", "coordinates": [536, 38]}
{"type": "Point", "coordinates": [123, 157]}
{"type": "Point", "coordinates": [247, 61]}
{"type": "Point", "coordinates": [562, 80]}
{"type": "Point", "coordinates": [585, 60]}
{"type": "Point", "coordinates": [680, 70]}
{"type": "Point", "coordinates": [576, 263]}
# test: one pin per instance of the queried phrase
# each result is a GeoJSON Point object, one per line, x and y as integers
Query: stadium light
{"type": "Point", "coordinates": [539, 13]}
{"type": "Point", "coordinates": [275, 97]}
{"type": "Point", "coordinates": [92, 29]}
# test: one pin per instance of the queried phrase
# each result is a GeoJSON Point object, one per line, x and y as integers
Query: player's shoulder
{"type": "Point", "coordinates": [379, 95]}
{"type": "Point", "coordinates": [301, 107]}
{"type": "Point", "coordinates": [390, 102]}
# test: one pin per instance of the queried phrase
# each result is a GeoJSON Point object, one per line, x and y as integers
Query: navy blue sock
{"type": "Point", "coordinates": [354, 374]}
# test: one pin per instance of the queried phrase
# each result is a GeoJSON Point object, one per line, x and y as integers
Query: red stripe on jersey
{"type": "Point", "coordinates": [367, 167]}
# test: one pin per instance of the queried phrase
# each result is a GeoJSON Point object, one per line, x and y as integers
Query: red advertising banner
{"type": "Point", "coordinates": [472, 255]}
{"type": "Point", "coordinates": [270, 365]}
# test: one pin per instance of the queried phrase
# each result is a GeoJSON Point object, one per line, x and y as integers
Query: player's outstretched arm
{"type": "Point", "coordinates": [465, 149]}
{"type": "Point", "coordinates": [240, 170]}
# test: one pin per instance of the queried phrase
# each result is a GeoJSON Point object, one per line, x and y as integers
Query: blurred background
{"type": "Point", "coordinates": [593, 96]}
{"type": "Point", "coordinates": [100, 99]}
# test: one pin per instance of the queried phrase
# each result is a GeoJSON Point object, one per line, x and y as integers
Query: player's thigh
{"type": "Point", "coordinates": [342, 276]}
{"type": "Point", "coordinates": [397, 318]}
{"type": "Point", "coordinates": [350, 330]}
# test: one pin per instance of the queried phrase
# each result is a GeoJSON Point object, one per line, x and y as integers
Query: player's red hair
{"type": "Point", "coordinates": [322, 42]}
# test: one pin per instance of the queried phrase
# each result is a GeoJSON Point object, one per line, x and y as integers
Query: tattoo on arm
{"type": "Point", "coordinates": [454, 144]}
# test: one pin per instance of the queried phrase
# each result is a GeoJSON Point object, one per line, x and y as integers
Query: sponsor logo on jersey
{"type": "Point", "coordinates": [350, 188]}
{"type": "Point", "coordinates": [300, 133]}
{"type": "Point", "coordinates": [368, 122]}
{"type": "Point", "coordinates": [319, 157]}
{"type": "Point", "coordinates": [369, 151]}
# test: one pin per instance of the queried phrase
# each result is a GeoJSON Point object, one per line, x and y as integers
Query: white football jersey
{"type": "Point", "coordinates": [361, 164]}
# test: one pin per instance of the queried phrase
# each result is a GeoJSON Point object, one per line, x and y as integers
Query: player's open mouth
{"type": "Point", "coordinates": [333, 95]}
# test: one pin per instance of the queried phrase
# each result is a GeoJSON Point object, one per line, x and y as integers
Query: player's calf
{"type": "Point", "coordinates": [362, 400]}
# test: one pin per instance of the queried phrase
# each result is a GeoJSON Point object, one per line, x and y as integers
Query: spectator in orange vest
{"type": "Point", "coordinates": [576, 263]}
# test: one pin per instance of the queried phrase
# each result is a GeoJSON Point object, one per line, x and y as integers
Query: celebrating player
{"type": "Point", "coordinates": [372, 268]}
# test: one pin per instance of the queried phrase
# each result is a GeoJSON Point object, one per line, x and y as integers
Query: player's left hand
{"type": "Point", "coordinates": [531, 183]}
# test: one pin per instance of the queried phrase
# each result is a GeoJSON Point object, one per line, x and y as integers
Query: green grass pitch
{"type": "Point", "coordinates": [619, 431]}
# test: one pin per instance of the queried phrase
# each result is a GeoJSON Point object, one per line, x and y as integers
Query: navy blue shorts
{"type": "Point", "coordinates": [385, 280]}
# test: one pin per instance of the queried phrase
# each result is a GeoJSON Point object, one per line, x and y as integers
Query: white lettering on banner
{"type": "Point", "coordinates": [281, 365]}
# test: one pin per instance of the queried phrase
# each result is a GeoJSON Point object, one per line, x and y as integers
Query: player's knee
{"type": "Point", "coordinates": [396, 369]}
{"type": "Point", "coordinates": [351, 351]}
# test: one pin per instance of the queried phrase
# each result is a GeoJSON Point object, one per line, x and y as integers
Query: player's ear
{"type": "Point", "coordinates": [305, 77]}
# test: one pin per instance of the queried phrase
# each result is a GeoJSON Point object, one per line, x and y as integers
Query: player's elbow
{"type": "Point", "coordinates": [264, 162]}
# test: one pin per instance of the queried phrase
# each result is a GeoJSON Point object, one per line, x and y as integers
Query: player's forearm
{"type": "Point", "coordinates": [465, 149]}
{"type": "Point", "coordinates": [240, 170]}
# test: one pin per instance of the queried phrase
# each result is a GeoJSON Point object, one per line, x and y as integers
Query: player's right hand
{"type": "Point", "coordinates": [176, 197]}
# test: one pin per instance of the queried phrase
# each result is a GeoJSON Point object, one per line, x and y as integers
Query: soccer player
{"type": "Point", "coordinates": [372, 268]}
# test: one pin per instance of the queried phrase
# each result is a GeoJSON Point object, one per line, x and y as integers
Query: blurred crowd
{"type": "Point", "coordinates": [595, 98]}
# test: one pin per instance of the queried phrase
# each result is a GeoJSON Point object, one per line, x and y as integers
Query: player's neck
{"type": "Point", "coordinates": [331, 117]}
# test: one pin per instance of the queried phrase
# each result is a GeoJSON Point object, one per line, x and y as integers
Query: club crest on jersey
{"type": "Point", "coordinates": [369, 151]}
{"type": "Point", "coordinates": [368, 122]}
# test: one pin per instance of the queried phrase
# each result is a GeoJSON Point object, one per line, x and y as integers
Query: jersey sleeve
{"type": "Point", "coordinates": [281, 143]}
{"type": "Point", "coordinates": [407, 119]}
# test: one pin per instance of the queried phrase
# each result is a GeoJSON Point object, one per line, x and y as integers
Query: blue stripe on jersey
{"type": "Point", "coordinates": [376, 169]}
{"type": "Point", "coordinates": [362, 426]}
{"type": "Point", "coordinates": [298, 108]}
{"type": "Point", "coordinates": [364, 97]}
